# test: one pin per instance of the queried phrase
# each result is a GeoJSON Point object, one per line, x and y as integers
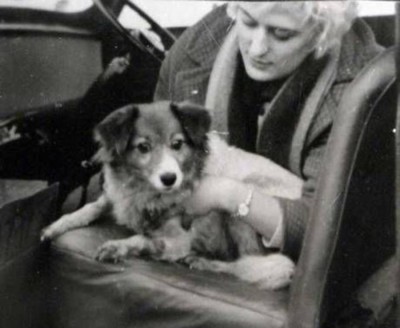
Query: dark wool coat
{"type": "Point", "coordinates": [185, 75]}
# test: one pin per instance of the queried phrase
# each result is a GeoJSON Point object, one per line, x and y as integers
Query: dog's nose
{"type": "Point", "coordinates": [168, 179]}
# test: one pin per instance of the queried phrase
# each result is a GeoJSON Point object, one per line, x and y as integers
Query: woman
{"type": "Point", "coordinates": [272, 74]}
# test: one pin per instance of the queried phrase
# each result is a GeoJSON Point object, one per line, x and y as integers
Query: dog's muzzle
{"type": "Point", "coordinates": [168, 175]}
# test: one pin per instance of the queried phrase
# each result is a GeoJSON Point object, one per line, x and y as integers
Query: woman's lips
{"type": "Point", "coordinates": [259, 63]}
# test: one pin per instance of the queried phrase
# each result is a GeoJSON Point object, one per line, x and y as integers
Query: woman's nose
{"type": "Point", "coordinates": [259, 45]}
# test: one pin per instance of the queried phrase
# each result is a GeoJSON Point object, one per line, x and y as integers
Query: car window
{"type": "Point", "coordinates": [376, 8]}
{"type": "Point", "coordinates": [50, 5]}
{"type": "Point", "coordinates": [181, 13]}
{"type": "Point", "coordinates": [175, 13]}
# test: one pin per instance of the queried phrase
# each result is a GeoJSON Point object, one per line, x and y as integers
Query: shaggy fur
{"type": "Point", "coordinates": [153, 156]}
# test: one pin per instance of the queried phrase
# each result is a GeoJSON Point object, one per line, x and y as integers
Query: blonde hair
{"type": "Point", "coordinates": [333, 18]}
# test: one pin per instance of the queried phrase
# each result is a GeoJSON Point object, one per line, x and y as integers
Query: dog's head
{"type": "Point", "coordinates": [161, 145]}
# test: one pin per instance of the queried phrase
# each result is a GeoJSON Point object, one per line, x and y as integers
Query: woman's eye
{"type": "Point", "coordinates": [247, 20]}
{"type": "Point", "coordinates": [177, 144]}
{"type": "Point", "coordinates": [282, 34]}
{"type": "Point", "coordinates": [143, 147]}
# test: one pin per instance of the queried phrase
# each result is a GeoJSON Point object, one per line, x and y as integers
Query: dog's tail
{"type": "Point", "coordinates": [274, 271]}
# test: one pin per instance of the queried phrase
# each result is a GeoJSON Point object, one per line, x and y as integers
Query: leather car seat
{"type": "Point", "coordinates": [25, 208]}
{"type": "Point", "coordinates": [350, 235]}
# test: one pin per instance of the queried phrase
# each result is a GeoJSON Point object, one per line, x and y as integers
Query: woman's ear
{"type": "Point", "coordinates": [115, 131]}
{"type": "Point", "coordinates": [195, 121]}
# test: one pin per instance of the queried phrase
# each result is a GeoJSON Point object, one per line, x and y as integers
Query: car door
{"type": "Point", "coordinates": [51, 84]}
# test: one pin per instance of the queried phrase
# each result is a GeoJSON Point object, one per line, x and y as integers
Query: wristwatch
{"type": "Point", "coordinates": [244, 208]}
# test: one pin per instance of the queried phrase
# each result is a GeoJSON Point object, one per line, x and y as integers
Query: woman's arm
{"type": "Point", "coordinates": [219, 193]}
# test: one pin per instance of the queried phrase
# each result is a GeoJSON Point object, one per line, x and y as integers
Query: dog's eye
{"type": "Point", "coordinates": [143, 147]}
{"type": "Point", "coordinates": [177, 144]}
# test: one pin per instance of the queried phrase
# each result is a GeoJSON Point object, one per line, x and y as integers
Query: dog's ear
{"type": "Point", "coordinates": [195, 121]}
{"type": "Point", "coordinates": [115, 131]}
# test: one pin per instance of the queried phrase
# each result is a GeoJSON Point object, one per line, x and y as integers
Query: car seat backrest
{"type": "Point", "coordinates": [352, 226]}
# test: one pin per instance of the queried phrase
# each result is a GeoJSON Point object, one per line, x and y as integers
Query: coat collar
{"type": "Point", "coordinates": [208, 37]}
{"type": "Point", "coordinates": [358, 47]}
{"type": "Point", "coordinates": [202, 44]}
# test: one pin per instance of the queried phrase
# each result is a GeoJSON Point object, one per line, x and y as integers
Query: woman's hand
{"type": "Point", "coordinates": [213, 193]}
{"type": "Point", "coordinates": [220, 193]}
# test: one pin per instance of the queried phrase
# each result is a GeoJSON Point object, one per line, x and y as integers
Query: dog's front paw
{"type": "Point", "coordinates": [195, 262]}
{"type": "Point", "coordinates": [62, 225]}
{"type": "Point", "coordinates": [46, 234]}
{"type": "Point", "coordinates": [52, 231]}
{"type": "Point", "coordinates": [112, 251]}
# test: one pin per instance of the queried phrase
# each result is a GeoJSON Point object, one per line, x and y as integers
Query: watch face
{"type": "Point", "coordinates": [243, 210]}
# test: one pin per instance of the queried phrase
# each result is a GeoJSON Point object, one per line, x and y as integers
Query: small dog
{"type": "Point", "coordinates": [153, 156]}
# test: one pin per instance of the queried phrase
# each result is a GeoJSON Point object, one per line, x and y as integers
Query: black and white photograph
{"type": "Point", "coordinates": [199, 163]}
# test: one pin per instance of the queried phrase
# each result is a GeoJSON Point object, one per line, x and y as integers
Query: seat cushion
{"type": "Point", "coordinates": [146, 293]}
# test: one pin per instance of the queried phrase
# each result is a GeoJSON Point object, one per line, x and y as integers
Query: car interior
{"type": "Point", "coordinates": [59, 78]}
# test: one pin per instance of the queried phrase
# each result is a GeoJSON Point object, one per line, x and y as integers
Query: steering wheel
{"type": "Point", "coordinates": [139, 40]}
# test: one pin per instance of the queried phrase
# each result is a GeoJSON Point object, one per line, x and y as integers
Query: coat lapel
{"type": "Point", "coordinates": [221, 84]}
{"type": "Point", "coordinates": [326, 77]}
{"type": "Point", "coordinates": [286, 117]}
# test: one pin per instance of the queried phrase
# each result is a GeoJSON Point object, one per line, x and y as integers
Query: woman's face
{"type": "Point", "coordinates": [273, 40]}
